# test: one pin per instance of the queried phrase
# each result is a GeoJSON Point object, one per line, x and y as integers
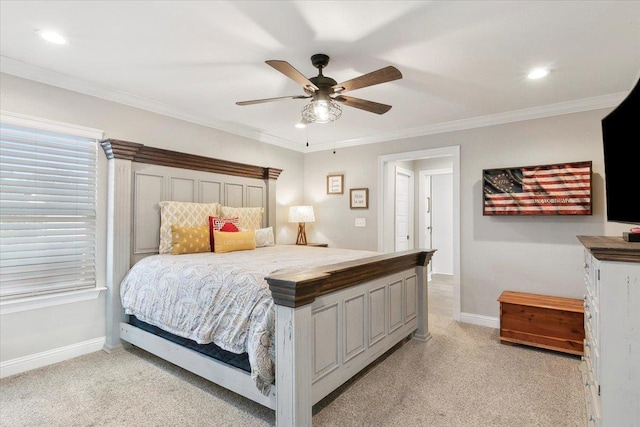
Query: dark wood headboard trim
{"type": "Point", "coordinates": [302, 288]}
{"type": "Point", "coordinates": [117, 149]}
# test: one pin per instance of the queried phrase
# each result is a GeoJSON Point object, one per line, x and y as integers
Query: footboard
{"type": "Point", "coordinates": [332, 322]}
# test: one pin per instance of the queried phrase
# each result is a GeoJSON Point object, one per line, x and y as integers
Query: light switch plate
{"type": "Point", "coordinates": [361, 222]}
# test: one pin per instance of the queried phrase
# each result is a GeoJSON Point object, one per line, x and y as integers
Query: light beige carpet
{"type": "Point", "coordinates": [462, 377]}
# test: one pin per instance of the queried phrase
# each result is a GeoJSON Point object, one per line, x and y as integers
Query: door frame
{"type": "Point", "coordinates": [454, 152]}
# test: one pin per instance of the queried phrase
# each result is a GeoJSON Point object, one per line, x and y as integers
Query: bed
{"type": "Point", "coordinates": [333, 311]}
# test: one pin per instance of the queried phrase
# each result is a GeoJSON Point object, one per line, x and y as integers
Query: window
{"type": "Point", "coordinates": [48, 177]}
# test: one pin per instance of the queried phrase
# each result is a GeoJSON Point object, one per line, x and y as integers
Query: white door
{"type": "Point", "coordinates": [425, 199]}
{"type": "Point", "coordinates": [425, 227]}
{"type": "Point", "coordinates": [442, 223]}
{"type": "Point", "coordinates": [404, 210]}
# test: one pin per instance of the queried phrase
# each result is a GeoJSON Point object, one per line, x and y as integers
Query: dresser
{"type": "Point", "coordinates": [611, 361]}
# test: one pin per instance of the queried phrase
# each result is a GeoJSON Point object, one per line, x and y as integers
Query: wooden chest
{"type": "Point", "coordinates": [554, 323]}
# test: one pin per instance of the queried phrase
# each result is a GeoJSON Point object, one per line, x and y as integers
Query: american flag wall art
{"type": "Point", "coordinates": [559, 189]}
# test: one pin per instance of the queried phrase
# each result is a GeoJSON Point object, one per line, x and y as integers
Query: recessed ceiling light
{"type": "Point", "coordinates": [51, 37]}
{"type": "Point", "coordinates": [300, 125]}
{"type": "Point", "coordinates": [538, 73]}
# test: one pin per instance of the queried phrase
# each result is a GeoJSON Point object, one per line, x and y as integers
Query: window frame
{"type": "Point", "coordinates": [64, 296]}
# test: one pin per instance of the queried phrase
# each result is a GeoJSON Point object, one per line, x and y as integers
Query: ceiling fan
{"type": "Point", "coordinates": [324, 90]}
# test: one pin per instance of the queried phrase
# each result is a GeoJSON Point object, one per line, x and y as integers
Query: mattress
{"type": "Point", "coordinates": [221, 298]}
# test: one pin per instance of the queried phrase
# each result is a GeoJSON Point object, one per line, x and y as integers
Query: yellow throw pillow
{"type": "Point", "coordinates": [189, 240]}
{"type": "Point", "coordinates": [234, 241]}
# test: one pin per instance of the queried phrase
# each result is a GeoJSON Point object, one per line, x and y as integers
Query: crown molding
{"type": "Point", "coordinates": [27, 71]}
{"type": "Point", "coordinates": [42, 75]}
{"type": "Point", "coordinates": [587, 104]}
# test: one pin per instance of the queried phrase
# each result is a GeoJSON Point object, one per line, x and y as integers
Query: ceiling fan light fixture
{"type": "Point", "coordinates": [325, 91]}
{"type": "Point", "coordinates": [321, 111]}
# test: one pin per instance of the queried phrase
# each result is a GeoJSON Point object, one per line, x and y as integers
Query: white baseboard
{"type": "Point", "coordinates": [477, 319]}
{"type": "Point", "coordinates": [33, 361]}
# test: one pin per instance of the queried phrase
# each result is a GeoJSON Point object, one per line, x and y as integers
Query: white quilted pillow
{"type": "Point", "coordinates": [248, 217]}
{"type": "Point", "coordinates": [184, 214]}
{"type": "Point", "coordinates": [264, 237]}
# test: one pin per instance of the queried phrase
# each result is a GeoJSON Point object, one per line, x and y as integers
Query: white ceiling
{"type": "Point", "coordinates": [463, 62]}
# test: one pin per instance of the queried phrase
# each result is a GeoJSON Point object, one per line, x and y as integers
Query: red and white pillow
{"type": "Point", "coordinates": [222, 224]}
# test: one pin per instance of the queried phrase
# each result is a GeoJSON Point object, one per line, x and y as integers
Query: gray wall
{"type": "Point", "coordinates": [41, 330]}
{"type": "Point", "coordinates": [529, 254]}
{"type": "Point", "coordinates": [533, 254]}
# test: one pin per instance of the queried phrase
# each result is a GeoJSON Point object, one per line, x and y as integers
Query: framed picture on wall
{"type": "Point", "coordinates": [359, 198]}
{"type": "Point", "coordinates": [335, 184]}
{"type": "Point", "coordinates": [558, 189]}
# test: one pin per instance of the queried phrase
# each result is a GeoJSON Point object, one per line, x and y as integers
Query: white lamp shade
{"type": "Point", "coordinates": [301, 214]}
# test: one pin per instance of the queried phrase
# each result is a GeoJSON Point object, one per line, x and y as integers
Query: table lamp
{"type": "Point", "coordinates": [301, 215]}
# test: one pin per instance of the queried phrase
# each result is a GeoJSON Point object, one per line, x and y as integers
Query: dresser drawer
{"type": "Point", "coordinates": [591, 316]}
{"type": "Point", "coordinates": [593, 406]}
{"type": "Point", "coordinates": [592, 399]}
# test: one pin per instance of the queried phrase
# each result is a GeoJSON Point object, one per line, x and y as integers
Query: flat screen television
{"type": "Point", "coordinates": [621, 144]}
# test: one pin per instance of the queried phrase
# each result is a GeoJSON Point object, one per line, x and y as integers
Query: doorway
{"type": "Point", "coordinates": [386, 224]}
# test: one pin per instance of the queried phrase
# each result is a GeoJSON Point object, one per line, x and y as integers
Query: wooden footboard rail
{"type": "Point", "coordinates": [333, 321]}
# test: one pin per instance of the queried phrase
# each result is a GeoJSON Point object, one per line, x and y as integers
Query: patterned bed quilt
{"type": "Point", "coordinates": [222, 297]}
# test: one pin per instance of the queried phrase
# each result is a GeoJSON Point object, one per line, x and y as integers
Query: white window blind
{"type": "Point", "coordinates": [47, 211]}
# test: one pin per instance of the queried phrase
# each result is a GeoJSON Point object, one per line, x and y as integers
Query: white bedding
{"type": "Point", "coordinates": [221, 298]}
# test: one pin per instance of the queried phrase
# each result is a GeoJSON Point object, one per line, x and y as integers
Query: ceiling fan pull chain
{"type": "Point", "coordinates": [334, 137]}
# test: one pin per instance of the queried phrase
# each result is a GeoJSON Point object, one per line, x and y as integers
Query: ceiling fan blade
{"type": "Point", "coordinates": [382, 75]}
{"type": "Point", "coordinates": [363, 104]}
{"type": "Point", "coordinates": [287, 69]}
{"type": "Point", "coordinates": [260, 101]}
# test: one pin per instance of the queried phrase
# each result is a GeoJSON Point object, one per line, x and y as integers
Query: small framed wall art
{"type": "Point", "coordinates": [359, 198]}
{"type": "Point", "coordinates": [335, 184]}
